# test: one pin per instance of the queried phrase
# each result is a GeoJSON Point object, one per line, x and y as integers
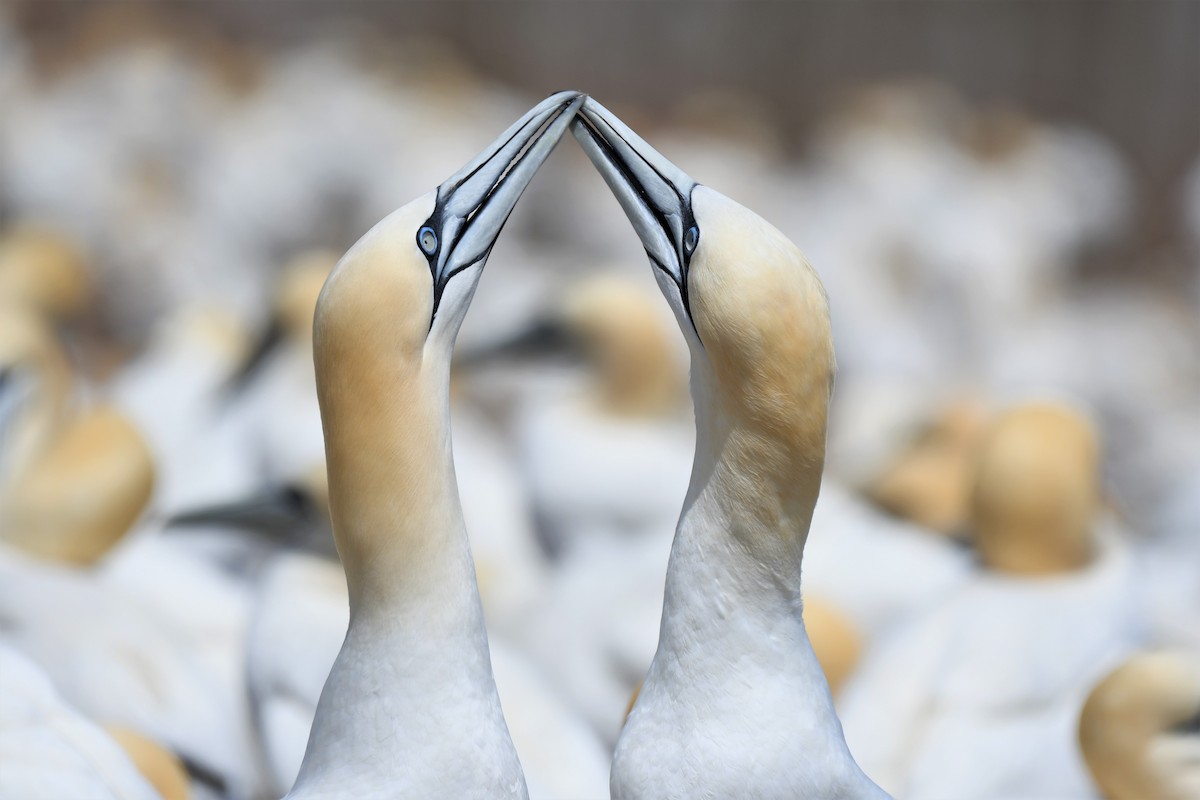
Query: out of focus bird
{"type": "Point", "coordinates": [80, 496]}
{"type": "Point", "coordinates": [574, 443]}
{"type": "Point", "coordinates": [121, 662]}
{"type": "Point", "coordinates": [601, 449]}
{"type": "Point", "coordinates": [169, 391]}
{"type": "Point", "coordinates": [411, 703]}
{"type": "Point", "coordinates": [835, 639]}
{"type": "Point", "coordinates": [262, 418]}
{"type": "Point", "coordinates": [863, 561]}
{"type": "Point", "coordinates": [735, 701]}
{"type": "Point", "coordinates": [74, 485]}
{"type": "Point", "coordinates": [929, 481]}
{"type": "Point", "coordinates": [43, 269]}
{"type": "Point", "coordinates": [72, 482]}
{"type": "Point", "coordinates": [272, 395]}
{"type": "Point", "coordinates": [50, 750]}
{"type": "Point", "coordinates": [159, 766]}
{"type": "Point", "coordinates": [976, 696]}
{"type": "Point", "coordinates": [1140, 728]}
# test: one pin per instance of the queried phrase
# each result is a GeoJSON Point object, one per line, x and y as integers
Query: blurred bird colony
{"type": "Point", "coordinates": [1011, 503]}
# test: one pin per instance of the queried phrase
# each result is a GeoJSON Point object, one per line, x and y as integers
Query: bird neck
{"type": "Point", "coordinates": [755, 481]}
{"type": "Point", "coordinates": [740, 539]}
{"type": "Point", "coordinates": [416, 648]}
{"type": "Point", "coordinates": [732, 604]}
{"type": "Point", "coordinates": [392, 491]}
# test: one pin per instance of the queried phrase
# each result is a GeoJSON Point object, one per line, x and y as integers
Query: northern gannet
{"type": "Point", "coordinates": [122, 662]}
{"type": "Point", "coordinates": [862, 561]}
{"type": "Point", "coordinates": [159, 766]}
{"type": "Point", "coordinates": [169, 391]}
{"type": "Point", "coordinates": [575, 444]}
{"type": "Point", "coordinates": [81, 495]}
{"type": "Point", "coordinates": [1140, 728]}
{"type": "Point", "coordinates": [411, 705]}
{"type": "Point", "coordinates": [42, 269]}
{"type": "Point", "coordinates": [298, 627]}
{"type": "Point", "coordinates": [735, 702]}
{"type": "Point", "coordinates": [51, 751]}
{"type": "Point", "coordinates": [977, 695]}
{"type": "Point", "coordinates": [72, 482]}
{"type": "Point", "coordinates": [929, 480]}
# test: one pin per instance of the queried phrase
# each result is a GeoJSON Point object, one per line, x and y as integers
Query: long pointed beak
{"type": "Point", "coordinates": [473, 205]}
{"type": "Point", "coordinates": [655, 194]}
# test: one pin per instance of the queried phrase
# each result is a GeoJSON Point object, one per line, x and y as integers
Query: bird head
{"type": "Point", "coordinates": [42, 269]}
{"type": "Point", "coordinates": [1036, 490]}
{"type": "Point", "coordinates": [754, 312]}
{"type": "Point", "coordinates": [384, 330]}
{"type": "Point", "coordinates": [408, 281]}
{"type": "Point", "coordinates": [1139, 730]}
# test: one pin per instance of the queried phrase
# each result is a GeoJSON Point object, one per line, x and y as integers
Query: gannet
{"type": "Point", "coordinates": [49, 750]}
{"type": "Point", "coordinates": [80, 496]}
{"type": "Point", "coordinates": [929, 480]}
{"type": "Point", "coordinates": [74, 484]}
{"type": "Point", "coordinates": [735, 702]}
{"type": "Point", "coordinates": [122, 662]}
{"type": "Point", "coordinates": [272, 397]}
{"type": "Point", "coordinates": [862, 561]}
{"type": "Point", "coordinates": [835, 639]}
{"type": "Point", "coordinates": [159, 766]}
{"type": "Point", "coordinates": [298, 627]}
{"type": "Point", "coordinates": [72, 481]}
{"type": "Point", "coordinates": [575, 444]}
{"type": "Point", "coordinates": [410, 704]}
{"type": "Point", "coordinates": [977, 696]}
{"type": "Point", "coordinates": [42, 269]}
{"type": "Point", "coordinates": [169, 391]}
{"type": "Point", "coordinates": [1139, 730]}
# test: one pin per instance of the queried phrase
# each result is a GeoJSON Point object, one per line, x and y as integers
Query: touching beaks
{"type": "Point", "coordinates": [473, 205]}
{"type": "Point", "coordinates": [656, 194]}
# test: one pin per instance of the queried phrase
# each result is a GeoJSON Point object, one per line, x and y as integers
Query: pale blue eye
{"type": "Point", "coordinates": [691, 239]}
{"type": "Point", "coordinates": [427, 239]}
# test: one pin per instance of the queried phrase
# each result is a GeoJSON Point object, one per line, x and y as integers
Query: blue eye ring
{"type": "Point", "coordinates": [691, 239]}
{"type": "Point", "coordinates": [427, 240]}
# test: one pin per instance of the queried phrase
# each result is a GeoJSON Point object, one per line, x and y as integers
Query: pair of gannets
{"type": "Point", "coordinates": [735, 701]}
